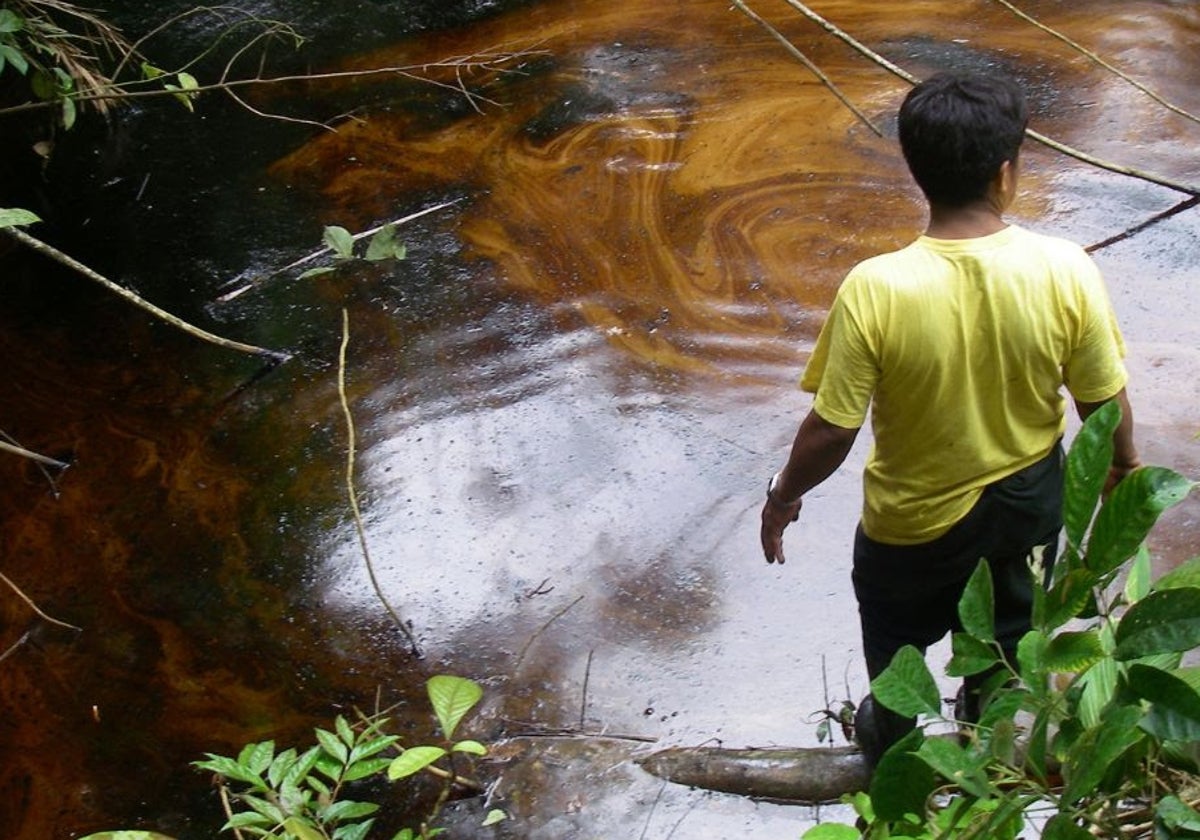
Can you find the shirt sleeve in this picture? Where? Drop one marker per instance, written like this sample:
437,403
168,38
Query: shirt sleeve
1095,370
843,369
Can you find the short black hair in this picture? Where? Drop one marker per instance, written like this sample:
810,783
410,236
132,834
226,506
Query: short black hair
955,131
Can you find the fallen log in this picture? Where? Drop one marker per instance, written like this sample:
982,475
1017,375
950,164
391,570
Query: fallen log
797,774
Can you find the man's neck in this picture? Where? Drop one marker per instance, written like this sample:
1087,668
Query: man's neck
968,222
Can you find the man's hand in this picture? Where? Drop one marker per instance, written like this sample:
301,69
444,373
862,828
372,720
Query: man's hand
776,515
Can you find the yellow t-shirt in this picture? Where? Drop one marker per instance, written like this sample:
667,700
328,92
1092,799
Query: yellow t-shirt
961,348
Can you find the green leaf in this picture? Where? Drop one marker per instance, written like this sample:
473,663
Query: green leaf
353,831
279,767
1099,689
383,244
493,817
977,607
345,732
257,757
469,746
123,835
1073,651
452,697
906,686
1086,469
1003,706
365,767
249,819
268,809
1137,584
1164,621
368,748
298,772
1067,598
230,769
317,272
1129,514
1172,813
302,829
1174,713
405,834
69,113
1062,827
1090,757
901,782
347,810
1030,652
970,656
332,745
10,21
187,81
831,831
149,71
1181,577
339,240
413,760
13,56
950,761
16,217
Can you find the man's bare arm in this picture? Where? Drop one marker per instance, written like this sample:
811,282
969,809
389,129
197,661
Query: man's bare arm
1125,454
820,448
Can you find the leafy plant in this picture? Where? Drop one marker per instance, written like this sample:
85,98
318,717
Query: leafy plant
295,795
1096,728
382,244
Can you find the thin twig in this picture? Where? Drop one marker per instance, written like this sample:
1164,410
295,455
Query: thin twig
58,256
15,645
228,296
1178,186
813,68
542,629
35,607
1186,204
587,676
1098,60
352,496
653,805
228,806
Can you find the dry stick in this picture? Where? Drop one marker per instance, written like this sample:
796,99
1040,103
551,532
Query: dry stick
15,645
34,606
1189,189
57,255
1186,204
587,676
542,629
816,71
1098,60
228,806
33,456
353,496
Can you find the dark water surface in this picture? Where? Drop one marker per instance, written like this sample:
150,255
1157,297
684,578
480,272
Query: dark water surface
568,398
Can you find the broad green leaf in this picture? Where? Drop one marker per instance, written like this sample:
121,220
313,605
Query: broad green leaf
1164,621
469,746
332,745
125,835
304,765
1173,814
1190,675
1099,688
1137,583
1129,514
1181,577
339,240
831,831
413,760
1174,713
1067,598
1061,827
249,819
1073,651
906,686
1030,652
14,57
405,834
901,782
257,757
955,765
10,21
354,831
1003,706
368,748
149,71
16,217
365,767
493,817
977,606
187,81
302,829
452,697
1094,753
344,731
230,769
1086,470
383,244
347,810
279,767
970,656
268,809
69,113
1003,744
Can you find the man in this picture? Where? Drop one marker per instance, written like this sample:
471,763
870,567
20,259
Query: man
960,344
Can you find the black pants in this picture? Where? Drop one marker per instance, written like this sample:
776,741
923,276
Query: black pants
909,594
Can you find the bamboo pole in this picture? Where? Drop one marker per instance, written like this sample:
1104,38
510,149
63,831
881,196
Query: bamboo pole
807,62
53,253
1098,60
1100,163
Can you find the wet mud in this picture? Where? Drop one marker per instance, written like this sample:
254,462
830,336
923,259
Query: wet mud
567,400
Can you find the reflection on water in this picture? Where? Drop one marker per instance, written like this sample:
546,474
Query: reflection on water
567,399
